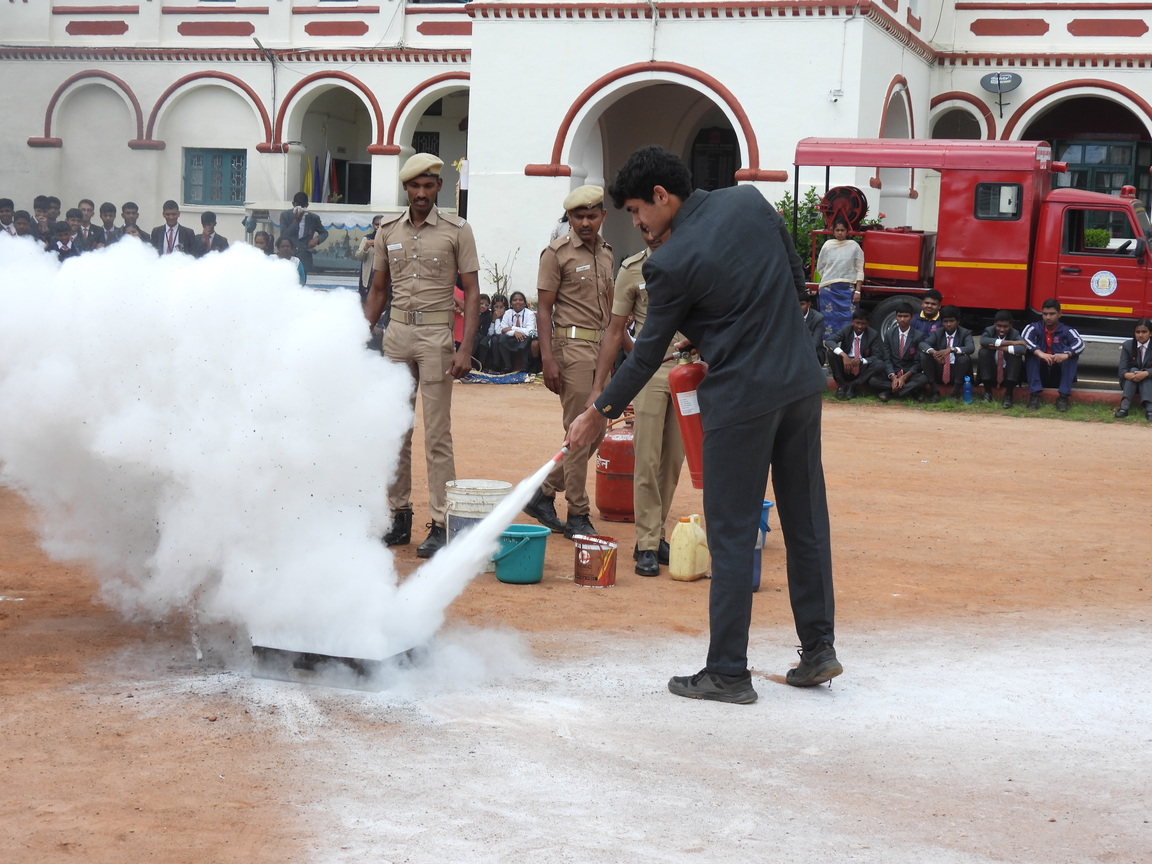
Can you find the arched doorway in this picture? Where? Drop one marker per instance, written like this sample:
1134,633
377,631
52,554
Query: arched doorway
1105,145
437,123
957,123
684,120
333,121
896,184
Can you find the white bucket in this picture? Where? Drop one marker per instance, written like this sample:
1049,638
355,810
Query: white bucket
469,501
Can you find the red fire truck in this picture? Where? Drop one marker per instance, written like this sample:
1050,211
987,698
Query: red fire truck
1005,238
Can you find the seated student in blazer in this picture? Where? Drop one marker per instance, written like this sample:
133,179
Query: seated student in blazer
900,350
947,354
814,321
172,237
1136,370
1000,361
854,355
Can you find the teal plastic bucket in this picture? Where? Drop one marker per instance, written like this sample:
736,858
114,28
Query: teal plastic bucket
520,560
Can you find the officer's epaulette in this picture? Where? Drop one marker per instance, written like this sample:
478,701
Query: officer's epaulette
560,241
632,259
391,217
452,219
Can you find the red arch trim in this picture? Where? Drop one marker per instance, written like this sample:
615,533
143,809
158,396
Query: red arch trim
196,76
1027,105
979,104
392,147
80,76
897,81
555,168
377,115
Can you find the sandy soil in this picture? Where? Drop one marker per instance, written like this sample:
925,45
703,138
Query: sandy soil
993,622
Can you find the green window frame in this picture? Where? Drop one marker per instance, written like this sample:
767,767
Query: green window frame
214,177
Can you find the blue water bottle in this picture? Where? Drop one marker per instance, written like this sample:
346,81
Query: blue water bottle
758,552
968,389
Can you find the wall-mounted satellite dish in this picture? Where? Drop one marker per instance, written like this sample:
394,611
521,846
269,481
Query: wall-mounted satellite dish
1000,83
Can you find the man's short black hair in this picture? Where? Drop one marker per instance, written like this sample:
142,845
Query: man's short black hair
129,205
860,315
22,214
934,294
300,199
646,169
107,207
40,202
1003,315
73,213
1051,303
87,201
52,199
905,307
170,205
950,312
7,202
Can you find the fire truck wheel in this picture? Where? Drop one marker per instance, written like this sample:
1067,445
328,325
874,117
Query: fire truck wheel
883,316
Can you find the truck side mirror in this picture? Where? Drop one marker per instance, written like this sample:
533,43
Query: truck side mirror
1140,250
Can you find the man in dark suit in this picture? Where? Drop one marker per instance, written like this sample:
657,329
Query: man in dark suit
208,240
728,278
1000,362
814,321
854,355
946,355
303,228
108,223
900,352
172,237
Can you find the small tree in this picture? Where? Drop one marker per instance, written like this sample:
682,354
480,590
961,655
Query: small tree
808,219
500,275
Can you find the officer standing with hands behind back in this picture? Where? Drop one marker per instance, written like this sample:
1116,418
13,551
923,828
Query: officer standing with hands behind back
418,254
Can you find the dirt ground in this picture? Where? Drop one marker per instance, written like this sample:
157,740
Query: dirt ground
992,594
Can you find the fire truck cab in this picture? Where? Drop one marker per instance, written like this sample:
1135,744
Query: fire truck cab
1004,239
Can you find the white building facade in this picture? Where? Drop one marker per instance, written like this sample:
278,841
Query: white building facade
220,104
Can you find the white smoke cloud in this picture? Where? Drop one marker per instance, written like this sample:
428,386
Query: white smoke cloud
205,434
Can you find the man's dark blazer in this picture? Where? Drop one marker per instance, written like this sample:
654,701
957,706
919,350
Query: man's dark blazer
896,363
219,244
727,278
312,228
815,322
869,343
961,339
187,238
94,239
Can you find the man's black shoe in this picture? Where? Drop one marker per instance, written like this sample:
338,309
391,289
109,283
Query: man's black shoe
1008,401
664,551
1148,412
1061,403
1122,411
647,563
987,397
884,395
714,686
578,524
400,534
542,508
816,667
850,391
435,541
1034,401
841,393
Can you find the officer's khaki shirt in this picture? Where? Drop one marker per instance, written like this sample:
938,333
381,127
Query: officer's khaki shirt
423,262
581,279
631,297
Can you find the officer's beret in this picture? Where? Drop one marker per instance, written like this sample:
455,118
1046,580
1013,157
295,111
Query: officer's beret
584,196
421,163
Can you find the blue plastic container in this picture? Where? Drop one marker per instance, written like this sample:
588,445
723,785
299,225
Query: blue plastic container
520,560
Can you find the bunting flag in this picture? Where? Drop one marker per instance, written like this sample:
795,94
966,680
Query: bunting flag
316,175
326,189
307,184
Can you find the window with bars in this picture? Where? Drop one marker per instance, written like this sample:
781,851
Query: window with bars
214,177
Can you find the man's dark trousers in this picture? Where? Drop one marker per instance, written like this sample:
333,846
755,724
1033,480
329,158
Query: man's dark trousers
736,463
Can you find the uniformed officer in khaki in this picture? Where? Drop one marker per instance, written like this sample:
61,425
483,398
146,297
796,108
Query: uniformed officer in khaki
418,255
574,302
656,433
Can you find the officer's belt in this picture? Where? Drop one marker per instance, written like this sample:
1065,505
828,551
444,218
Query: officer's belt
579,333
405,316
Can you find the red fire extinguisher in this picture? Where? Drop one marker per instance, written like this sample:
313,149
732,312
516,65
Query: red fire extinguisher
683,380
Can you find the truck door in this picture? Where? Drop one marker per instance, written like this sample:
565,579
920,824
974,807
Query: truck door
1103,263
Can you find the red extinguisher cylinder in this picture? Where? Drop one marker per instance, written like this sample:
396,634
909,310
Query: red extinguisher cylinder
683,380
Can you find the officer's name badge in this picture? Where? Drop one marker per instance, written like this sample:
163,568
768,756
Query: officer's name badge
392,247
641,286
583,267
